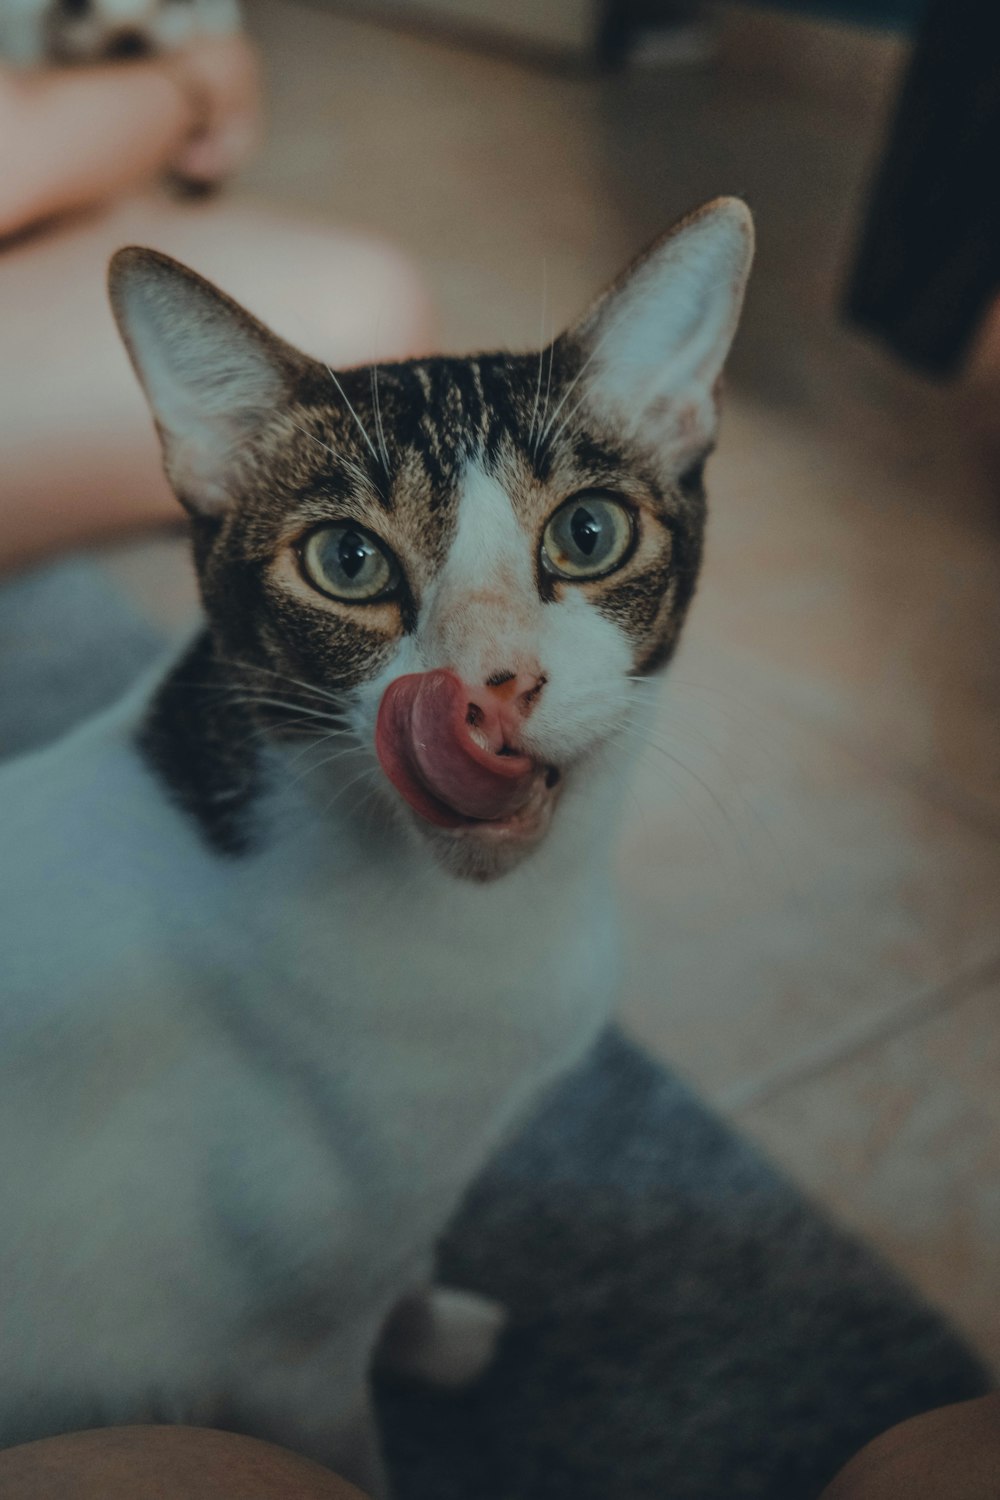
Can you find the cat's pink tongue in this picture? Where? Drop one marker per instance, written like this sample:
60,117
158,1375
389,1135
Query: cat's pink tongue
448,768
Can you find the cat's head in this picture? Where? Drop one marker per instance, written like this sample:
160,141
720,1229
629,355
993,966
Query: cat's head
475,557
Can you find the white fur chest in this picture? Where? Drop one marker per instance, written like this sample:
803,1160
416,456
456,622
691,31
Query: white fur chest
301,1057
423,1013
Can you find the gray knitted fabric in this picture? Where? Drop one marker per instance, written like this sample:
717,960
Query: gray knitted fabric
684,1324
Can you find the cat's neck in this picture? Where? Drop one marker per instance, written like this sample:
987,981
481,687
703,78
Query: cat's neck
301,884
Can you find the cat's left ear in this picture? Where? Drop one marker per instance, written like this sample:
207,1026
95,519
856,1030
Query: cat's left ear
212,374
653,346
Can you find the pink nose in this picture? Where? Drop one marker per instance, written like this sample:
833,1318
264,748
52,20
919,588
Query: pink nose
498,708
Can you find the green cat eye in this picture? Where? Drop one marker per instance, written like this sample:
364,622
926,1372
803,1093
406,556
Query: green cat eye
349,563
587,537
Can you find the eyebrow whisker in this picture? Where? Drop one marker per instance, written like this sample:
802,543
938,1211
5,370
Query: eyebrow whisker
361,426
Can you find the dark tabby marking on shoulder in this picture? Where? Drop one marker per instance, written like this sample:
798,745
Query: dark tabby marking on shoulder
198,738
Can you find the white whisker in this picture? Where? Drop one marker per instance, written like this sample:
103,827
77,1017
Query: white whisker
641,734
326,694
253,700
379,429
553,436
361,776
350,408
313,438
541,348
313,729
363,479
295,728
544,435
548,392
328,760
239,694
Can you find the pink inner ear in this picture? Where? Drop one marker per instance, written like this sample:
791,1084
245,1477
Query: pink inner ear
425,744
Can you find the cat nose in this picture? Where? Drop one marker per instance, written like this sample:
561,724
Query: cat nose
521,690
499,707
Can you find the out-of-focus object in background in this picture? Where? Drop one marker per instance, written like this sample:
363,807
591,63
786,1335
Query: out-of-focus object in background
658,34
591,33
88,31
929,262
83,151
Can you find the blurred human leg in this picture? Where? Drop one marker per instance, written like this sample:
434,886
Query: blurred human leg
78,456
949,1454
163,1463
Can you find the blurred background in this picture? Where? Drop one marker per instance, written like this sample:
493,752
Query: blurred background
811,869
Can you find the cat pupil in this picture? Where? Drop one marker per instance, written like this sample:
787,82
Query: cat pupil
352,554
586,530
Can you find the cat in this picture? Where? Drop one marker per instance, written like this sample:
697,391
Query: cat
33,32
297,932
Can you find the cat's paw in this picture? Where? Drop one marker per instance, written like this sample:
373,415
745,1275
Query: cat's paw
444,1337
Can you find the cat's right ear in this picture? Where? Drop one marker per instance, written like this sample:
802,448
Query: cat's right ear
653,345
212,374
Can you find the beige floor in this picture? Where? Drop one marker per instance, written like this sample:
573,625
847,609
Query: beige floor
812,889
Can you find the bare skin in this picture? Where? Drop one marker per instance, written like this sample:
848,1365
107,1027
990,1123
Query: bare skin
163,1463
74,137
79,149
949,1454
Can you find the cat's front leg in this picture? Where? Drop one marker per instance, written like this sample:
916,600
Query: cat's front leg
359,1453
443,1336
352,1448
322,1409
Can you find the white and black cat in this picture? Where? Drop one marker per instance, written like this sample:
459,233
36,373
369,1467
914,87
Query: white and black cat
291,937
86,31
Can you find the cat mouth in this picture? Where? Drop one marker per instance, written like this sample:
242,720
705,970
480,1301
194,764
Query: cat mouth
449,773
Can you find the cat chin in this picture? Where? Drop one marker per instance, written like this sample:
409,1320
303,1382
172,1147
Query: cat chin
486,851
470,857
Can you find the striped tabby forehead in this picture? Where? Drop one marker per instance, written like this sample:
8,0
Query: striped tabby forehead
387,423
391,448
264,445
391,442
394,440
